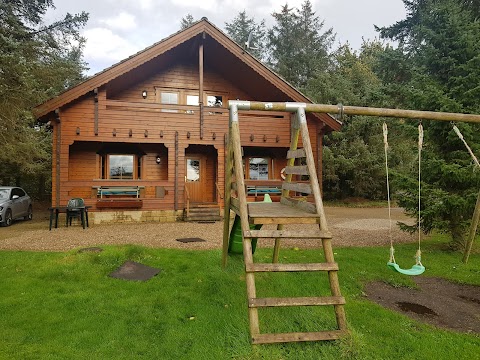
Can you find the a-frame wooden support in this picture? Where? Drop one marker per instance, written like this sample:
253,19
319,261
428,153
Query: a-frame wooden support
288,211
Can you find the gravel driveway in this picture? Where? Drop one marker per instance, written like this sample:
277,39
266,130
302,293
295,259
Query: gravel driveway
349,226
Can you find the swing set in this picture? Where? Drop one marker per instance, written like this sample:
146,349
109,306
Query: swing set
293,211
418,268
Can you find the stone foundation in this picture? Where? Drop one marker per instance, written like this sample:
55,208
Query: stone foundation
133,216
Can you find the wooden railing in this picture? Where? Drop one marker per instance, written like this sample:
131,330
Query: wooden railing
186,109
187,201
219,198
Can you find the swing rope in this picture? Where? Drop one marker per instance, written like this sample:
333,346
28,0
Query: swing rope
385,143
418,255
418,268
459,134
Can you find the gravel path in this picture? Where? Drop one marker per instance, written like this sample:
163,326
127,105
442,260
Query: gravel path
349,227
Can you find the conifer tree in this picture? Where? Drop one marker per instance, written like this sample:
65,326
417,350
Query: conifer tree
437,67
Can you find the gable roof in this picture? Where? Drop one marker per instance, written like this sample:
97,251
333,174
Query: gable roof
217,41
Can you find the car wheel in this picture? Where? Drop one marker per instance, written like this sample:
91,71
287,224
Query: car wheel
29,214
8,218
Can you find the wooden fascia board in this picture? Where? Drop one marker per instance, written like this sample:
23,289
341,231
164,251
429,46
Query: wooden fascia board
119,69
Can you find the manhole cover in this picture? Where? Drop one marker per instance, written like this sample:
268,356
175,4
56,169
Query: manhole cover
132,270
188,240
416,308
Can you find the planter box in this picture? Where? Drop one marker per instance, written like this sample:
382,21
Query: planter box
119,204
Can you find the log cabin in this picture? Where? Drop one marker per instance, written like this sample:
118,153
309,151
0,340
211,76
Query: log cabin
145,139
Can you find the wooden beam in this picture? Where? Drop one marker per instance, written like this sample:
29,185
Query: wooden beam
95,111
356,110
297,301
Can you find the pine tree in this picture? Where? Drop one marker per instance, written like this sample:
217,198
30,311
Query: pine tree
297,46
436,67
37,61
186,21
240,29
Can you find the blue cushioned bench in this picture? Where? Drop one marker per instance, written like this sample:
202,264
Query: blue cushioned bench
262,190
125,191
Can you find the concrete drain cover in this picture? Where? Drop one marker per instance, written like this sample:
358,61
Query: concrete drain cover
132,270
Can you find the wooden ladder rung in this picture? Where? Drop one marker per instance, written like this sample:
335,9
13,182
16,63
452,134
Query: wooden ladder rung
297,170
268,267
295,154
296,301
298,336
274,234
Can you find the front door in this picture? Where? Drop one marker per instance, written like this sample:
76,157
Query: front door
195,178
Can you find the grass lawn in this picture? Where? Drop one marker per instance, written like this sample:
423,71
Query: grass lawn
64,306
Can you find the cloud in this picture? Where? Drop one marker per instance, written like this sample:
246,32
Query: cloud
202,4
103,45
122,21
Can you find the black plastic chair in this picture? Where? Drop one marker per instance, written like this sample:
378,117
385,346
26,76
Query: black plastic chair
75,210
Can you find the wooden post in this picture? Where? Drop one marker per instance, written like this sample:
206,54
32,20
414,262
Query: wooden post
311,167
58,128
95,111
294,134
320,158
227,199
473,230
175,191
242,196
200,87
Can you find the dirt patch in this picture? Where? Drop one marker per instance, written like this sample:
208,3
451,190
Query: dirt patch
436,301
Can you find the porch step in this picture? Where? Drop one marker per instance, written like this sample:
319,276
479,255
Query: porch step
203,213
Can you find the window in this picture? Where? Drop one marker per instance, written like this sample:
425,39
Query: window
192,100
121,167
193,170
169,98
215,100
258,168
18,192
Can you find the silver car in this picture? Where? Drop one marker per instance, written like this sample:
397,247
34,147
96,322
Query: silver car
14,203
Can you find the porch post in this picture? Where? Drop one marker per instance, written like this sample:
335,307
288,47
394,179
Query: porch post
200,87
175,186
58,148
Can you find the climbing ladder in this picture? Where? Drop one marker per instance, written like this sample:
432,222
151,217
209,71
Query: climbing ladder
288,211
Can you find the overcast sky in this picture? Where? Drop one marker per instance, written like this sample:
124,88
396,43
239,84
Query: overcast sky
119,28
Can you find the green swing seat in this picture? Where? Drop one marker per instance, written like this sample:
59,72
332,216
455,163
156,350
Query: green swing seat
415,269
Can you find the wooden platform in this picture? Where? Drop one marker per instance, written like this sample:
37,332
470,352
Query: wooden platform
278,213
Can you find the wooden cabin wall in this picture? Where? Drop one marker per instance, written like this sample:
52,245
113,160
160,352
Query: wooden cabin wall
126,117
184,77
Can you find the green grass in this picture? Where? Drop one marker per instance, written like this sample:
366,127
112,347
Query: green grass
64,306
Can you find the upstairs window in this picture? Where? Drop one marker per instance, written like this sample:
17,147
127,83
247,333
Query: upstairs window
215,100
169,98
